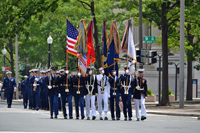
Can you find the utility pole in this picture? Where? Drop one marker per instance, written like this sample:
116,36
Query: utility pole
140,28
182,42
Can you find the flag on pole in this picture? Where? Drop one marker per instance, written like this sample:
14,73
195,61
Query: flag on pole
113,48
91,52
81,47
104,47
128,45
72,35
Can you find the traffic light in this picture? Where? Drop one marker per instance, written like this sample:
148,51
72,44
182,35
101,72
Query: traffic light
141,56
151,56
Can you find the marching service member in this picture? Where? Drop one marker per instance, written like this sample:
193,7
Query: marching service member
91,90
127,92
140,92
103,93
24,89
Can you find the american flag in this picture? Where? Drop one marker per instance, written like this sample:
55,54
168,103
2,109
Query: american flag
72,35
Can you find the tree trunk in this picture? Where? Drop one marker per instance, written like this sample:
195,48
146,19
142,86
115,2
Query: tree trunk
165,90
189,68
97,46
11,57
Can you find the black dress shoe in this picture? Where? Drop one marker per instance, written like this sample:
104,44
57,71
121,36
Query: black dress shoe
130,119
37,108
118,118
56,116
77,118
138,119
88,118
82,117
125,119
9,106
70,117
113,119
65,117
106,118
143,118
101,118
51,117
93,117
25,107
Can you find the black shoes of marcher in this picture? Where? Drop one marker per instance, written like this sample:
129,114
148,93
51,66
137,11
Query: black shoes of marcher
113,119
101,118
143,118
93,117
65,117
106,118
9,106
118,118
130,119
70,117
138,119
77,118
88,118
51,117
125,119
37,108
82,117
56,116
25,107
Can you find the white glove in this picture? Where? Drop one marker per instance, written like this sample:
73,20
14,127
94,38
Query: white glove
79,74
84,97
137,87
67,71
114,73
90,72
49,87
103,71
34,84
36,79
127,71
59,95
131,96
120,97
0,84
108,96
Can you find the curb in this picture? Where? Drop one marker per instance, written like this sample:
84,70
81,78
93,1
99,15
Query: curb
174,114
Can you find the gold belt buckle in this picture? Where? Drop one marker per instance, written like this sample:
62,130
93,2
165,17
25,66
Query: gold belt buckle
114,93
77,92
90,94
66,90
102,92
126,92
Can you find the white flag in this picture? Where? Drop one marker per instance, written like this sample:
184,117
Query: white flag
131,53
82,63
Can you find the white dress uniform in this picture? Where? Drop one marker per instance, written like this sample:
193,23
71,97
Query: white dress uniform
91,88
103,86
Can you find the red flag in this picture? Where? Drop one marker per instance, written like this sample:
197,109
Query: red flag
91,53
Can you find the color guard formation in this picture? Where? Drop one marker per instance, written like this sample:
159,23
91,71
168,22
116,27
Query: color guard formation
51,88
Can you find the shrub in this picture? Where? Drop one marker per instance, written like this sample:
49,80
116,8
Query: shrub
170,92
149,92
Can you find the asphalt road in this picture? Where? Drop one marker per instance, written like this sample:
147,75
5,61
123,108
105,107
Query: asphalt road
17,119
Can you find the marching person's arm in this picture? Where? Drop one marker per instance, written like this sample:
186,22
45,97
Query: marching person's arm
132,86
14,85
145,88
95,85
4,86
108,84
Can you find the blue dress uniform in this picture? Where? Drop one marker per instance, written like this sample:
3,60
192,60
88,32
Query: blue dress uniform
9,85
42,91
36,93
24,89
78,93
66,91
53,93
114,94
140,92
30,90
127,82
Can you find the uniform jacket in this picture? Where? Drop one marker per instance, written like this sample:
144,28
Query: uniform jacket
54,84
39,83
24,87
143,84
127,80
91,81
103,80
117,85
81,87
63,85
9,85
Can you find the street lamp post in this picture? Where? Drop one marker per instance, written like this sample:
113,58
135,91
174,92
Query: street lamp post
49,41
4,51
